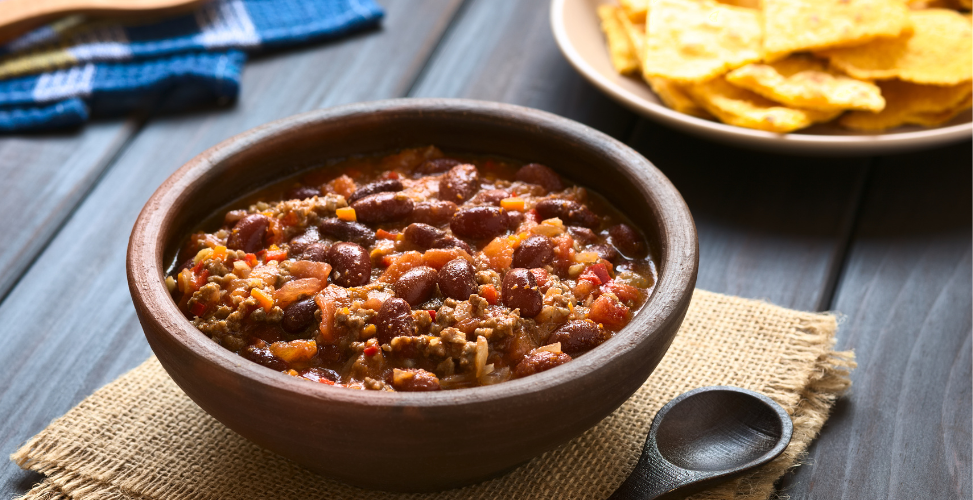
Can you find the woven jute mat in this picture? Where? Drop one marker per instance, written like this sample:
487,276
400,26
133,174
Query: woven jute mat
140,437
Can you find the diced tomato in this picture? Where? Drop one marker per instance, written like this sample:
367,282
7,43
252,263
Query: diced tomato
275,253
601,272
251,260
399,265
432,314
628,294
289,220
385,235
391,175
608,311
325,381
198,309
499,253
596,275
489,292
372,350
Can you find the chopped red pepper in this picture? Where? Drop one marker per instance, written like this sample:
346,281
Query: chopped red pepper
432,313
371,350
385,235
250,259
200,279
198,309
391,175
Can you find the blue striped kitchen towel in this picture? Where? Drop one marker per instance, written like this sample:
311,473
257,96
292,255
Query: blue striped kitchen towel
59,75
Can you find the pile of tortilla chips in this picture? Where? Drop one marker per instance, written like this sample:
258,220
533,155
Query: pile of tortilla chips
782,65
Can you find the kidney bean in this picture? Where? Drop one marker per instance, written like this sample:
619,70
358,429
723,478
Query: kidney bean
348,231
422,235
604,251
299,315
627,240
514,219
460,183
479,222
490,197
540,361
520,291
437,166
299,244
383,207
414,380
535,173
394,319
536,251
264,357
351,264
450,242
248,233
416,285
582,235
318,374
434,212
578,336
570,212
301,193
382,186
457,279
317,252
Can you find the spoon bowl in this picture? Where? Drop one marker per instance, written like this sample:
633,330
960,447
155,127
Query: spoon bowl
706,436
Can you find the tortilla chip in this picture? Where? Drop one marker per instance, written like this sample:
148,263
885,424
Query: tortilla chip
804,82
910,103
635,10
937,119
691,41
743,108
620,49
671,93
803,25
675,96
936,53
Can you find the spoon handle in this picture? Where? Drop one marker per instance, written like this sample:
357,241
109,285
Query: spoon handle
653,478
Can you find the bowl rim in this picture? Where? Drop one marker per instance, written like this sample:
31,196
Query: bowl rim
676,269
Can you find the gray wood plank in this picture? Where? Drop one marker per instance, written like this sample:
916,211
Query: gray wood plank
504,50
69,326
904,431
42,178
770,227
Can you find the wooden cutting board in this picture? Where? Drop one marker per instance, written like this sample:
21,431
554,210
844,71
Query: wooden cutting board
20,16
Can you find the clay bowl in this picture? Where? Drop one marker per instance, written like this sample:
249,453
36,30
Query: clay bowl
412,441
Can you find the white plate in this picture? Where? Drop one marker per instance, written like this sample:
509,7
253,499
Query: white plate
578,33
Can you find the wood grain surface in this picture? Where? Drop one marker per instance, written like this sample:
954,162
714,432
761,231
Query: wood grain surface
884,241
904,429
770,227
46,176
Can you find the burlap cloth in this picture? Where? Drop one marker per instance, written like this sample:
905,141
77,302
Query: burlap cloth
140,437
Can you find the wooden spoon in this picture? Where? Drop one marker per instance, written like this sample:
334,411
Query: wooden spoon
20,16
703,437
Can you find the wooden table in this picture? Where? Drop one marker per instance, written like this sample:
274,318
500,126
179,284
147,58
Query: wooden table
885,241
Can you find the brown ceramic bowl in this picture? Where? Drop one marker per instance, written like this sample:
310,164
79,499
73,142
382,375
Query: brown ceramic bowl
400,441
